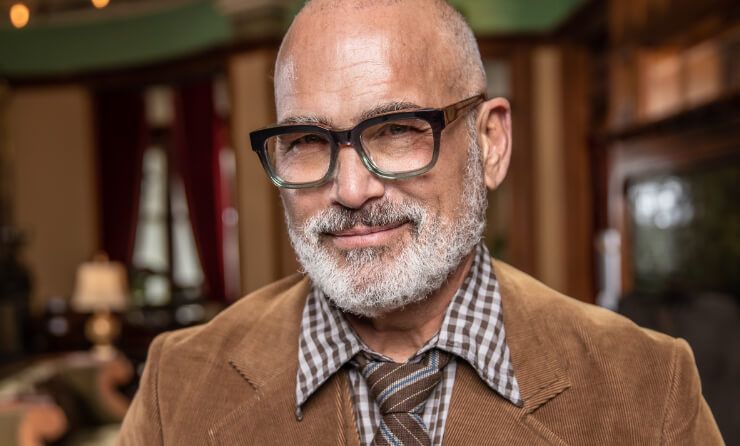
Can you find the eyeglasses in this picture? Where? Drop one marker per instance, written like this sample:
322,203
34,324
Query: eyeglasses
392,146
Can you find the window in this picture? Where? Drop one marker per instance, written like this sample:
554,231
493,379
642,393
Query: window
165,260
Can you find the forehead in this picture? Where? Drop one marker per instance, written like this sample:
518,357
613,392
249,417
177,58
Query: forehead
338,70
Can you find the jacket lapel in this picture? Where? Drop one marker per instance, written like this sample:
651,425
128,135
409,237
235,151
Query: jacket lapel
476,411
267,359
538,370
480,416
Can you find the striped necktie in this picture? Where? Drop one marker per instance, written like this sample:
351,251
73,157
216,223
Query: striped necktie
401,391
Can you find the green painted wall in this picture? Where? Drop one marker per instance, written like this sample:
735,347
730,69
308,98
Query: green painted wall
488,17
44,50
515,16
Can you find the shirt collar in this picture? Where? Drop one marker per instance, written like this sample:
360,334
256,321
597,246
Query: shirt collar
472,329
326,343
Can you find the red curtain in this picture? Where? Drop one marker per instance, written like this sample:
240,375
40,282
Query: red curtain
197,142
122,137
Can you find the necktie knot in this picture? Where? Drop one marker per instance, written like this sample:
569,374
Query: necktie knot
401,391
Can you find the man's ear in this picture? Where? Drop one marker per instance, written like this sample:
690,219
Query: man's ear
494,136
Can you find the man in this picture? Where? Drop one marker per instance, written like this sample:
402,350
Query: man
403,331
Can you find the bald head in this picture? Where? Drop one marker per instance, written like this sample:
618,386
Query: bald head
427,34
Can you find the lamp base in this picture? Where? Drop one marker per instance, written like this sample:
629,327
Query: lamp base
102,328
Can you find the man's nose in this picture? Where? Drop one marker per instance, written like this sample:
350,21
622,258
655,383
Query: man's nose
353,184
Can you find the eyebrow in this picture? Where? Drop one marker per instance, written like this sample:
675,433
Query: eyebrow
387,108
367,114
306,119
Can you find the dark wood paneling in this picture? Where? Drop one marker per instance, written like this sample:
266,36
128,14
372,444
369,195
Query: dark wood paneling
517,52
578,182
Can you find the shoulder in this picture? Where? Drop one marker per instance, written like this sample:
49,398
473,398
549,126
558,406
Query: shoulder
190,381
233,324
618,374
581,330
609,363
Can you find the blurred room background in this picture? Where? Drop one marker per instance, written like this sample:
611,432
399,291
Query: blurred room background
131,202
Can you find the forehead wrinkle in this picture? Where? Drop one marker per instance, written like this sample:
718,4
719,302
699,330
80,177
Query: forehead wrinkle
364,64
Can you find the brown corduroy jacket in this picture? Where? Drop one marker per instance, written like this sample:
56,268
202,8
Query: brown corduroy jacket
586,376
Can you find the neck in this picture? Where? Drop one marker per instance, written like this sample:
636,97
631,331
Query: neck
401,333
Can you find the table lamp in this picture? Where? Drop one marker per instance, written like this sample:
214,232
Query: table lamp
101,288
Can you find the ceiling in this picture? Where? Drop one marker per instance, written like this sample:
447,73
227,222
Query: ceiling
70,36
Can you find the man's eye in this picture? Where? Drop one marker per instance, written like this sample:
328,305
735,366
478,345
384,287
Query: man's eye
311,139
397,129
306,140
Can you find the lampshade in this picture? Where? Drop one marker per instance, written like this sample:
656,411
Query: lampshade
100,285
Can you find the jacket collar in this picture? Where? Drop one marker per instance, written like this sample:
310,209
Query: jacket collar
478,411
539,371
266,357
268,351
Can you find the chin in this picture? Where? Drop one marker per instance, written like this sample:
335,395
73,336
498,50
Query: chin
362,303
376,286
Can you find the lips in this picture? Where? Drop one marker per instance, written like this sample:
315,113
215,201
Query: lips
365,230
362,236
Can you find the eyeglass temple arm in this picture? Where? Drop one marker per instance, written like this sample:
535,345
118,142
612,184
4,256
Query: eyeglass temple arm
455,110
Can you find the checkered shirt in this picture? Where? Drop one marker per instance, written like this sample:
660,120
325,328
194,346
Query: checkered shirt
472,330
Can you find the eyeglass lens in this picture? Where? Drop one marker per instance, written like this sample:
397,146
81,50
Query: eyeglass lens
394,147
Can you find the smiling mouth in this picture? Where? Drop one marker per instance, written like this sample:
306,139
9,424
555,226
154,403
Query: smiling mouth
362,236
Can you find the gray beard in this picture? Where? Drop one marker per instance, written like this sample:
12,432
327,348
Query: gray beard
372,281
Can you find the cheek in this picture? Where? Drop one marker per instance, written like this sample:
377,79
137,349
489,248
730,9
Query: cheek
448,177
300,205
454,147
445,180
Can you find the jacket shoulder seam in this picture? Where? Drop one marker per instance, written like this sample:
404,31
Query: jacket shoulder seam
671,390
155,362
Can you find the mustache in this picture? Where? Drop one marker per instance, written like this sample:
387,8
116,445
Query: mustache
380,213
